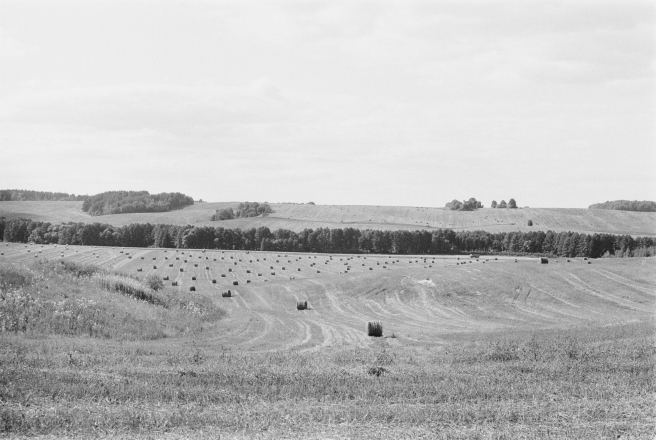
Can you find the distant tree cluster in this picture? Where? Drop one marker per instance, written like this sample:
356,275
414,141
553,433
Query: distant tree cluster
245,209
347,240
512,204
626,205
122,202
466,205
8,195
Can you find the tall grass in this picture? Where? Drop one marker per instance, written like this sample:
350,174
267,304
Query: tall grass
596,383
50,298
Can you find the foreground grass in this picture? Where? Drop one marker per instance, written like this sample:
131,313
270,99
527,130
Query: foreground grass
595,383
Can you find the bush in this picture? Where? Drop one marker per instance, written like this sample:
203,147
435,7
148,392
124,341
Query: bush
154,282
301,305
530,223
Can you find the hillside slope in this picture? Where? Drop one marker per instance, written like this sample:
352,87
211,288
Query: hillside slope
299,217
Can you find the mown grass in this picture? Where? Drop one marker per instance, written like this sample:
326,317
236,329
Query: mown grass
580,383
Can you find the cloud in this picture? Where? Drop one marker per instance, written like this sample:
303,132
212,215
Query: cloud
12,48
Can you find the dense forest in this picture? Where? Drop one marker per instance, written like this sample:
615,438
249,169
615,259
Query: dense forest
626,205
23,195
245,209
347,240
121,202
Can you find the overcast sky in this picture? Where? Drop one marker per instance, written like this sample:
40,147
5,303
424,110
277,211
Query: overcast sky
372,103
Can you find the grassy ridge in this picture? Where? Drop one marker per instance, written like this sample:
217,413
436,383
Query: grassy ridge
299,217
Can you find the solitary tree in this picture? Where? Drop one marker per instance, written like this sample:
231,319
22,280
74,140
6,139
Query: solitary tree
494,204
502,204
512,204
530,222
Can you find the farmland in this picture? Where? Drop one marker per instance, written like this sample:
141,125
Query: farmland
471,348
299,217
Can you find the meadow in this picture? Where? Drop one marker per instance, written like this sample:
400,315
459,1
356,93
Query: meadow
494,347
297,217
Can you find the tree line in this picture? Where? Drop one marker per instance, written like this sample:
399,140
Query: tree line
22,195
626,205
122,202
326,240
245,209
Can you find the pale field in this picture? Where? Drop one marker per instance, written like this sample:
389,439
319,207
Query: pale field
267,370
299,217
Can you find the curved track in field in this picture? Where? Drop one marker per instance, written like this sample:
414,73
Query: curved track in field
421,300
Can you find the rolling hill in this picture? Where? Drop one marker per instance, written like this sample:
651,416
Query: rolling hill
299,217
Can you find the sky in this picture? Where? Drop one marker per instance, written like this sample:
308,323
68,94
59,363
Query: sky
353,103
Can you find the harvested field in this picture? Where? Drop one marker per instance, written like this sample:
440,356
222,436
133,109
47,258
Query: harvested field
299,217
496,346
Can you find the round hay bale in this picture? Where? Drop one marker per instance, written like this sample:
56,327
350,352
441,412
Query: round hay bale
375,329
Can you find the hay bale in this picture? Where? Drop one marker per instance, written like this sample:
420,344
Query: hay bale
542,260
375,329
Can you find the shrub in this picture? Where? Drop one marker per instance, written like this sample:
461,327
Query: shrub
375,329
155,282
301,305
235,283
192,289
226,294
530,223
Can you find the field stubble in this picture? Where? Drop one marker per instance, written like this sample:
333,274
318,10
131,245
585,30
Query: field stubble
501,350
